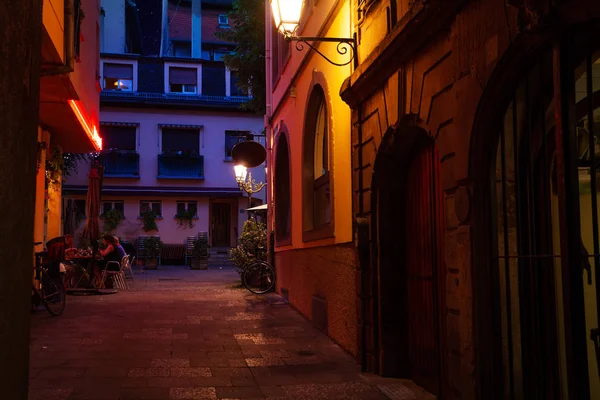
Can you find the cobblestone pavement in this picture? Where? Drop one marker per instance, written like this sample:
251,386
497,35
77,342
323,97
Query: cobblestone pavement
182,334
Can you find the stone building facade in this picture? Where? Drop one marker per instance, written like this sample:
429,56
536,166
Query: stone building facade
467,239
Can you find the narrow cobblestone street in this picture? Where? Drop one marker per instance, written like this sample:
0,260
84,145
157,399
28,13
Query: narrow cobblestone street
182,334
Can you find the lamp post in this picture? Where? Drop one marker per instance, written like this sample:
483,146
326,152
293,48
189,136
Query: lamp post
287,13
246,183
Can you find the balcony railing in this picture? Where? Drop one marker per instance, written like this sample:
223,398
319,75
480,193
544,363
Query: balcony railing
180,166
173,98
120,164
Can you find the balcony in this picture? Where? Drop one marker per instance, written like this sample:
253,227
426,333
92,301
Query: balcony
173,99
180,166
120,164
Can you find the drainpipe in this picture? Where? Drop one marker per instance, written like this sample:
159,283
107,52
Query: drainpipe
69,42
269,133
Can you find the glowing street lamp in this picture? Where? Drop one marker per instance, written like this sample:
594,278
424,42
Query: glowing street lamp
248,185
240,174
287,14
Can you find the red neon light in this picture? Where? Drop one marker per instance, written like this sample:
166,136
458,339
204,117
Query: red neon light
91,131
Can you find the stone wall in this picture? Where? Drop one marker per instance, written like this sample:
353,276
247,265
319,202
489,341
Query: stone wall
309,276
440,79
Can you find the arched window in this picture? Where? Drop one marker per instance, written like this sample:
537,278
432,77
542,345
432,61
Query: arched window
316,168
282,192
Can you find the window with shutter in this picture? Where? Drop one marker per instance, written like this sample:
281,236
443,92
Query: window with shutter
183,80
118,77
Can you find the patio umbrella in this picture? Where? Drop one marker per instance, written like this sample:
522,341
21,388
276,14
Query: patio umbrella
92,225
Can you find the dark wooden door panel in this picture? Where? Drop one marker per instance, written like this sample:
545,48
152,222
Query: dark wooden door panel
424,229
221,226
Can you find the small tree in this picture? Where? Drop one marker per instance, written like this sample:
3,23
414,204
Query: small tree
248,58
252,247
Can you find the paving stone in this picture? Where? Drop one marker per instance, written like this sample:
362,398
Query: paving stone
197,337
191,372
170,362
193,393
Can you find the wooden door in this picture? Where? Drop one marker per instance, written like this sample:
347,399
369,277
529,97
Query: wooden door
424,265
221,227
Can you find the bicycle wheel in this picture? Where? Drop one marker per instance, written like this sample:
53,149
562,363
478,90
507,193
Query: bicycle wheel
259,278
53,295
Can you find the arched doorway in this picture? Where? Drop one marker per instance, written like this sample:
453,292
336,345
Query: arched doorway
542,227
408,232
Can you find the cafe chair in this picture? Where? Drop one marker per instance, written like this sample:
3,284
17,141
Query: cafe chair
129,267
119,279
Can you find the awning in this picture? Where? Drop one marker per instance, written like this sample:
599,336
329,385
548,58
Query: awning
262,207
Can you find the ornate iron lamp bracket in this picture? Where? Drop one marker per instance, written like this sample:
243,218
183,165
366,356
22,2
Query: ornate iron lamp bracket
345,46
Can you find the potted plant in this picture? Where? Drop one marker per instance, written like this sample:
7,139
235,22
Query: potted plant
149,221
112,219
185,219
152,246
200,253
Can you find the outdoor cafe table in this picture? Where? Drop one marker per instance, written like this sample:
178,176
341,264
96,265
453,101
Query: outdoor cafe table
81,272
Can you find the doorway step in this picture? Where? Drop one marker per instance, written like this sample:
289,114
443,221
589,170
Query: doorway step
219,257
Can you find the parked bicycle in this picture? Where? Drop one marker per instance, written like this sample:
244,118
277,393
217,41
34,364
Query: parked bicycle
259,276
51,291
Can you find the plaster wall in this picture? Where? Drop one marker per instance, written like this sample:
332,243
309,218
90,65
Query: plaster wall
53,19
292,112
86,69
218,172
169,231
40,195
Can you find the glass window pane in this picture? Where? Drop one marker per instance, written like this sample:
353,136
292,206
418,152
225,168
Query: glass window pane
144,206
180,140
320,159
180,207
193,207
118,137
156,208
120,206
106,207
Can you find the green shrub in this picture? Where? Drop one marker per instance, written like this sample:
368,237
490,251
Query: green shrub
112,219
252,247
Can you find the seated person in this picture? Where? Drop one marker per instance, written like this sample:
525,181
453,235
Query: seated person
112,252
70,250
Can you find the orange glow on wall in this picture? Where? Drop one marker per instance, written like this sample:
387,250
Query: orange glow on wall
90,129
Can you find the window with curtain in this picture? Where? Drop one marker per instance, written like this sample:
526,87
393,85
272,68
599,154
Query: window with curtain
151,205
113,205
118,137
118,77
187,206
183,80
180,141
